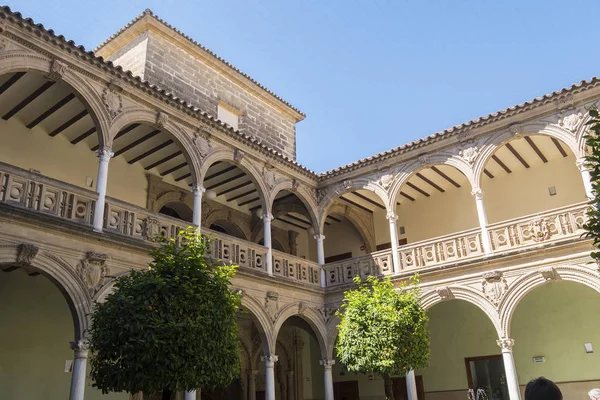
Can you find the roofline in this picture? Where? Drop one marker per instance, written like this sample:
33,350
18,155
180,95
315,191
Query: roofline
207,54
64,45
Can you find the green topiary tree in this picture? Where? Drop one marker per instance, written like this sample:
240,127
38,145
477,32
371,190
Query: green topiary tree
592,159
383,330
170,328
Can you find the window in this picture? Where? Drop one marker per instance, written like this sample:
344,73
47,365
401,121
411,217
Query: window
228,114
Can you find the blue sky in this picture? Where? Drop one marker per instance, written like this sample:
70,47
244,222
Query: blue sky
370,74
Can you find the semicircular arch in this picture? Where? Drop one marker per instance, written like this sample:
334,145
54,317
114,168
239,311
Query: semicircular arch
303,194
262,321
311,316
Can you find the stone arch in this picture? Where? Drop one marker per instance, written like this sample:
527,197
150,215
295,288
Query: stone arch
311,316
332,333
408,170
226,215
303,193
132,115
350,213
61,274
528,282
170,197
331,193
18,61
497,140
262,321
238,159
433,297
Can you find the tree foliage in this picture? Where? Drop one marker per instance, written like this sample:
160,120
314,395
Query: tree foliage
383,330
170,328
592,159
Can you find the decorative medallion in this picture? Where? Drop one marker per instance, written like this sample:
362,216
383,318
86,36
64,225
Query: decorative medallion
469,154
424,159
151,229
386,180
571,121
539,229
58,69
272,305
444,292
113,101
26,253
516,129
203,144
268,176
302,307
93,271
494,286
319,195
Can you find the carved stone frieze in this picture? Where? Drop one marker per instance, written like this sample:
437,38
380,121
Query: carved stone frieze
113,101
444,292
539,229
464,136
494,286
272,305
93,271
58,69
26,253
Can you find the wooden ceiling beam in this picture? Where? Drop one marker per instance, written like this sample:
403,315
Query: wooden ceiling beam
68,123
239,196
231,189
51,110
559,147
150,152
407,196
334,218
536,149
39,91
11,81
164,160
488,173
291,223
248,201
173,169
233,178
418,189
430,182
84,135
368,200
356,205
517,155
224,171
501,164
182,177
298,219
137,142
446,177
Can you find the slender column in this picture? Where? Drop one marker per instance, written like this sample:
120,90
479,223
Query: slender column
512,381
290,385
252,384
485,235
267,218
198,191
321,256
79,366
411,385
392,218
269,361
104,156
191,395
327,365
587,178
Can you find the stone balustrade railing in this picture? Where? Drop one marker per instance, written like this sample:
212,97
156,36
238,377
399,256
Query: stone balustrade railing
542,228
296,268
342,272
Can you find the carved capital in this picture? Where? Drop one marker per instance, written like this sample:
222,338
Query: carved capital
80,345
58,69
269,360
477,193
26,253
391,216
198,188
318,237
266,216
327,364
105,154
505,343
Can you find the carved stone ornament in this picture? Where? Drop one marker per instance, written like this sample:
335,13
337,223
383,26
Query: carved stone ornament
516,129
570,122
272,305
240,292
391,216
151,228
203,144
80,345
424,159
505,343
327,364
319,195
386,180
469,154
238,155
327,313
162,119
302,307
93,271
268,176
58,69
444,292
2,44
26,253
539,230
2,25
494,286
347,184
295,184
549,273
113,101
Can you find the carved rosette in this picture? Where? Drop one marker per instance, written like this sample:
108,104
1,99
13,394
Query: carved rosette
26,253
272,305
80,345
93,271
539,230
494,286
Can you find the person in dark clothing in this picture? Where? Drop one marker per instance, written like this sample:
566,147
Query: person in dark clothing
542,389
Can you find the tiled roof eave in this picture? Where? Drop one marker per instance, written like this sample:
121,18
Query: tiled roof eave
68,45
149,13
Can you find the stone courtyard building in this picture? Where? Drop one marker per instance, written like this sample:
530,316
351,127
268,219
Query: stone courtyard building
152,132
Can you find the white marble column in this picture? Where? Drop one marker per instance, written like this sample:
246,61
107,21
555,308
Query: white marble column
191,395
587,178
411,386
392,218
198,191
512,380
321,256
290,385
78,376
104,156
252,384
269,361
267,218
482,216
327,366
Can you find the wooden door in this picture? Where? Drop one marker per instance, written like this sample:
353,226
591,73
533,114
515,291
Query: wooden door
400,392
345,390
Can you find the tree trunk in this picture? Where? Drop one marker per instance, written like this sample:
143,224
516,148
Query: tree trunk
389,388
167,394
